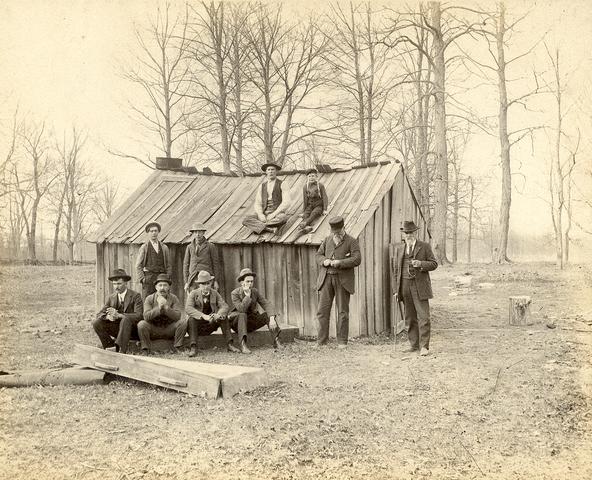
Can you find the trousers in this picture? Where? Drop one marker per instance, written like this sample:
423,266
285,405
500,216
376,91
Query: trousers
122,330
244,323
257,226
148,331
417,315
332,289
198,327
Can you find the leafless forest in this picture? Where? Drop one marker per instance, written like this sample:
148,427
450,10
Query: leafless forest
229,85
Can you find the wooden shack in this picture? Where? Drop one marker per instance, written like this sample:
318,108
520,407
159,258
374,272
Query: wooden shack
374,200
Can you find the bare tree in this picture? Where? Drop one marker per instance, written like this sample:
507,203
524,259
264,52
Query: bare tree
105,199
285,67
33,178
162,73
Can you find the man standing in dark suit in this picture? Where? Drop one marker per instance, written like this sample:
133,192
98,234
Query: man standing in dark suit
120,316
337,257
246,318
153,260
200,255
413,260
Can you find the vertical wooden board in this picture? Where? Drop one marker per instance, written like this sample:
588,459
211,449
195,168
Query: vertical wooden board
132,253
361,288
100,275
378,267
310,296
293,287
111,249
369,287
177,271
386,282
354,313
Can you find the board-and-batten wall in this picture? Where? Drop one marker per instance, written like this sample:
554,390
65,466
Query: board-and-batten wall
287,273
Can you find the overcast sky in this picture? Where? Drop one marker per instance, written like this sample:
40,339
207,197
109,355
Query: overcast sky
60,61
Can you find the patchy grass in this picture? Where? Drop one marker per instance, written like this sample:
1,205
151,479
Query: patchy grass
491,401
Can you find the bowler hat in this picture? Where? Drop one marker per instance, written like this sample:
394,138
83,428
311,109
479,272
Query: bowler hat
163,277
197,227
409,226
311,170
152,224
270,164
245,272
203,277
336,223
119,273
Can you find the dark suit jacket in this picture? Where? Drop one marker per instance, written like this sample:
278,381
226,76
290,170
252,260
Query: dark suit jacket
170,314
132,306
201,257
349,256
194,304
422,252
243,304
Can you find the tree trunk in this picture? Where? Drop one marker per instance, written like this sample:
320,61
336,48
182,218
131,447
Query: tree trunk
238,114
370,90
558,172
441,149
360,89
470,227
506,199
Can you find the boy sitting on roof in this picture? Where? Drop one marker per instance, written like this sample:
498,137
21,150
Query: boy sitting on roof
270,203
315,201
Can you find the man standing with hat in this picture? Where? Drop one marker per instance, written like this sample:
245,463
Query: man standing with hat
206,311
246,318
413,259
200,255
153,259
162,316
270,205
119,318
337,257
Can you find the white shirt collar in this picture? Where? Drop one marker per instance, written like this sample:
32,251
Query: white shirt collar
122,295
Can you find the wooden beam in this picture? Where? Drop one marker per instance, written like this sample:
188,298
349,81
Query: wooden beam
211,380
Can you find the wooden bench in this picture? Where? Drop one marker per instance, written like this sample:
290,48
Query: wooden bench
258,338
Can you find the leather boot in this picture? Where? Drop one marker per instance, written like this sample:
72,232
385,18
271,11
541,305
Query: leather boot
193,351
243,347
231,348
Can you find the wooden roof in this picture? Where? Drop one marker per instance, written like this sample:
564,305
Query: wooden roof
178,200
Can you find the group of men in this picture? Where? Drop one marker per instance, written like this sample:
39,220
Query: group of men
158,313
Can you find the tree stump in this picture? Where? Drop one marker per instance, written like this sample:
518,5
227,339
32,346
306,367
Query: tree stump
519,310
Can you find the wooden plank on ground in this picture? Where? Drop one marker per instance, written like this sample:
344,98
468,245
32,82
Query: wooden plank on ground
63,376
198,378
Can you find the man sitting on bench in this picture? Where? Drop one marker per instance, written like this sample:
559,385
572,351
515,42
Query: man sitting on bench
162,316
246,318
206,311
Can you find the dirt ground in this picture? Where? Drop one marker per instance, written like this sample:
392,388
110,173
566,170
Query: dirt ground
491,401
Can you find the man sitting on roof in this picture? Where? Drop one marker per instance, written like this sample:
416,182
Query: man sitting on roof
315,201
270,203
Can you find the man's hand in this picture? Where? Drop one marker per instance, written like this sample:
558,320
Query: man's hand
247,293
335,263
326,262
416,263
161,301
109,317
214,317
207,318
261,217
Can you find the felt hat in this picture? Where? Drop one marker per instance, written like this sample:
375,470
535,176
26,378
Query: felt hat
197,227
311,170
203,277
163,277
152,224
336,223
409,226
119,273
245,272
270,164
